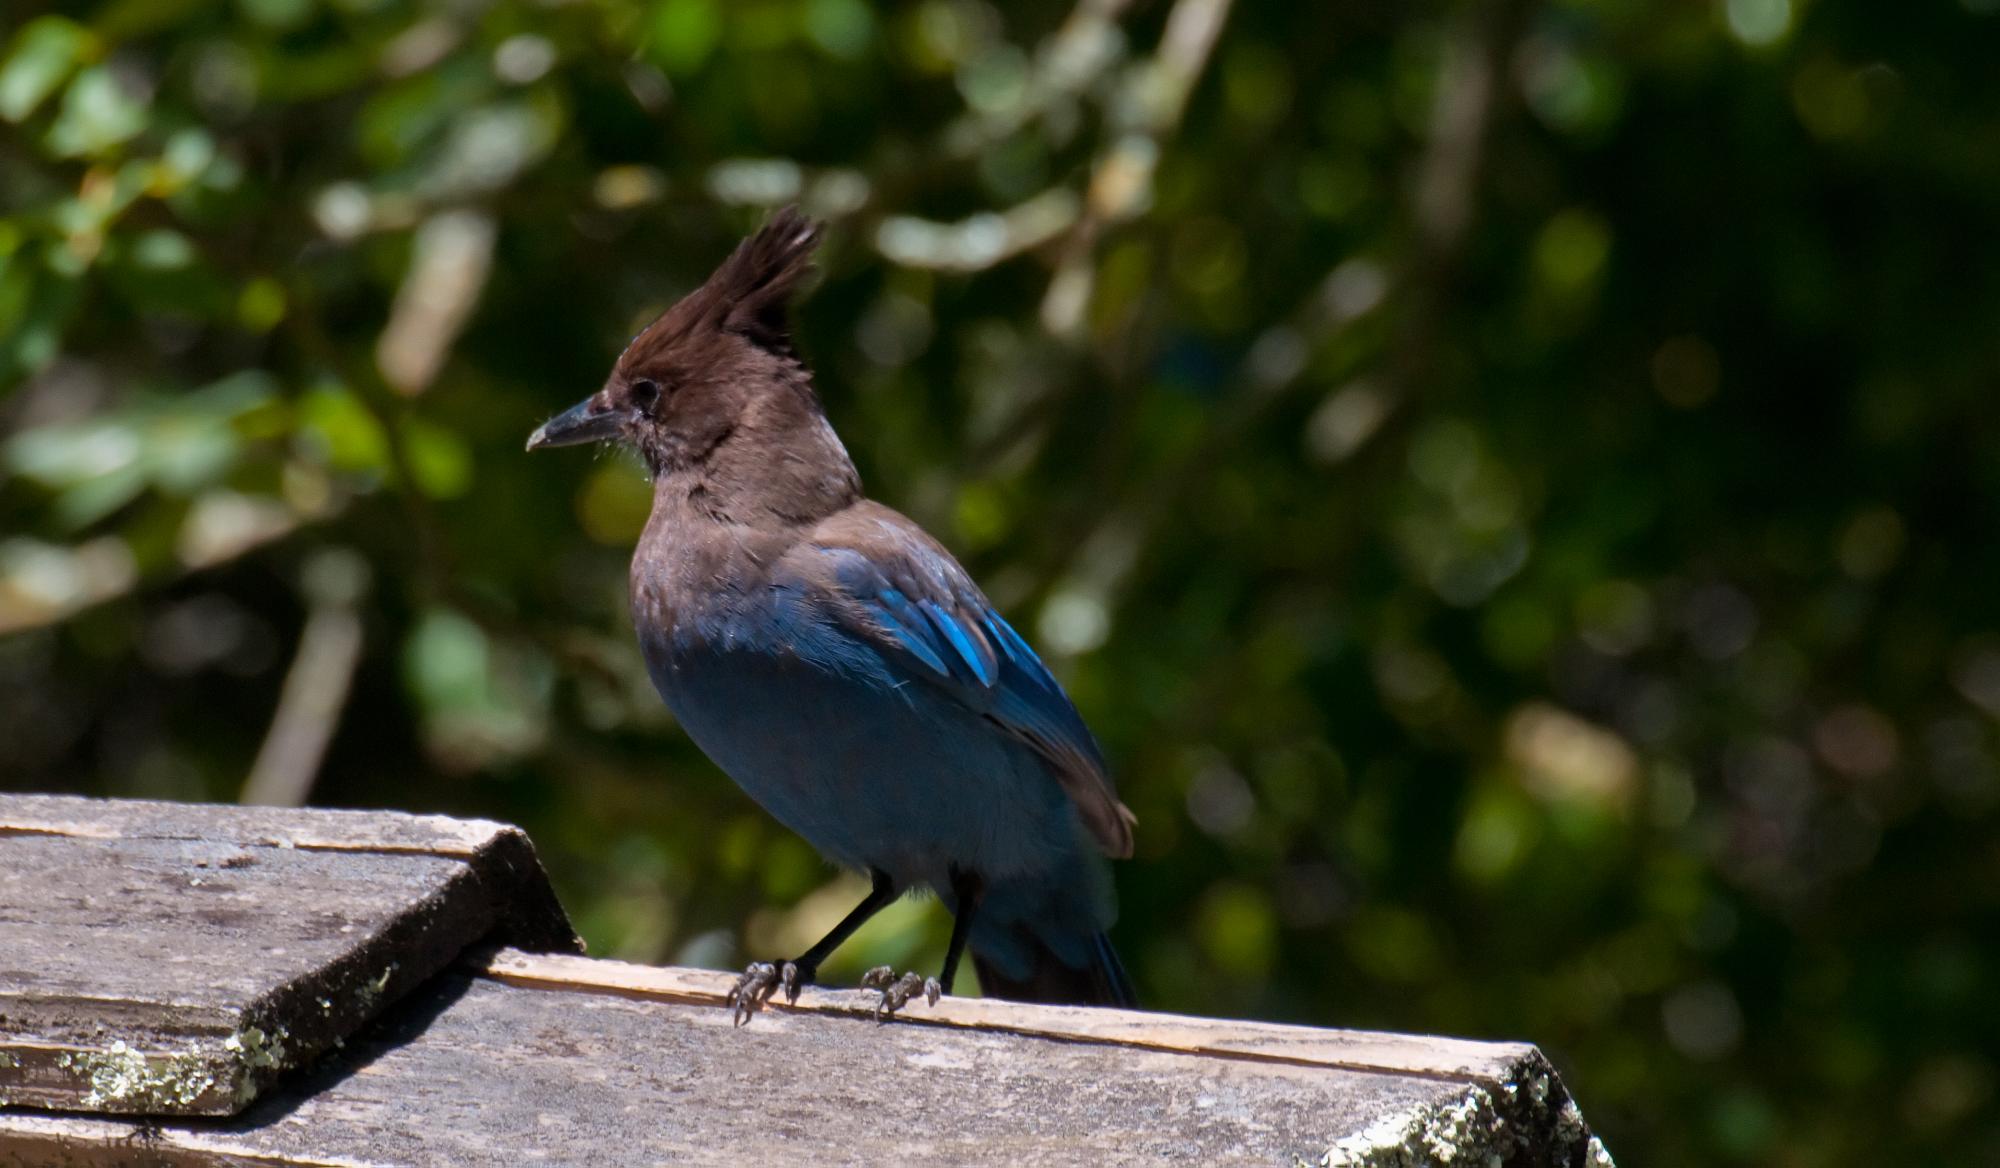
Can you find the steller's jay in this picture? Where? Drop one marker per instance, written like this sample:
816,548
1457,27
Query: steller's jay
840,665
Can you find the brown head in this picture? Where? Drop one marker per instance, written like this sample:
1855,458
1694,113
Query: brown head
713,393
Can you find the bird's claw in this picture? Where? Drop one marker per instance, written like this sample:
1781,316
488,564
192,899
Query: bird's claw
752,990
896,992
760,980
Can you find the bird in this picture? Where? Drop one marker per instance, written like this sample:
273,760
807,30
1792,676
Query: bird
841,666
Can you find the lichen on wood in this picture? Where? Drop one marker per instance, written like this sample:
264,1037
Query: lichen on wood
1481,1128
122,1079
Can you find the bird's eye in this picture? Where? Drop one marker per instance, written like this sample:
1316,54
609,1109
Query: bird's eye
645,392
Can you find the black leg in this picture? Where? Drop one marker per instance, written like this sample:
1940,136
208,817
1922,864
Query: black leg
879,896
763,978
966,888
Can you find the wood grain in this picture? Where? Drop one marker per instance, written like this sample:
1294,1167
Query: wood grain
1358,1050
481,1072
173,959
352,988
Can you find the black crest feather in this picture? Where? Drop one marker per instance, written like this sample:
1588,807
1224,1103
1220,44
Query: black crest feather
753,287
749,293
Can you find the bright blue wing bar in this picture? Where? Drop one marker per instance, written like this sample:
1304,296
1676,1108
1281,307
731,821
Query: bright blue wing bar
1036,701
969,644
906,623
961,643
896,593
1019,652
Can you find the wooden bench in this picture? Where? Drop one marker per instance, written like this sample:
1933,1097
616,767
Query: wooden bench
197,985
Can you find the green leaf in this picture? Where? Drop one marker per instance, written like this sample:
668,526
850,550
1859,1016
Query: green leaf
344,433
439,460
62,456
97,114
843,28
488,147
277,14
162,250
35,308
614,503
45,52
685,32
446,661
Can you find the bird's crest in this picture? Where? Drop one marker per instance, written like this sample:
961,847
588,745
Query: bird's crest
749,293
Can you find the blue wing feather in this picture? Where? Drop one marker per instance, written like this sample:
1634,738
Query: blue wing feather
970,648
919,610
906,624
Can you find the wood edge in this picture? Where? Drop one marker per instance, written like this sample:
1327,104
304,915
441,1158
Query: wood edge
67,816
494,892
498,893
17,1002
1454,1059
201,1079
483,835
59,830
87,1141
1526,1117
286,1029
527,913
42,1065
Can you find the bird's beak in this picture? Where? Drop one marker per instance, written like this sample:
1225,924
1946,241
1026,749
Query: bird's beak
588,421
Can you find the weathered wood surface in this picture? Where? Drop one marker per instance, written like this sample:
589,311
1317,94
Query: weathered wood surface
1354,1050
173,959
567,1061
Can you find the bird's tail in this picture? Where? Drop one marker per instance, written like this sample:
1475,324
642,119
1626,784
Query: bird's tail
1052,981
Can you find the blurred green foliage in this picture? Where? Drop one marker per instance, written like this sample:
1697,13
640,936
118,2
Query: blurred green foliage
1513,485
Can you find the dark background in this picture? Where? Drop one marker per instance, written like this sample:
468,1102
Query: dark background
1512,485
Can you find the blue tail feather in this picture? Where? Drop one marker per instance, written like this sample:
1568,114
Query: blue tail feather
1050,980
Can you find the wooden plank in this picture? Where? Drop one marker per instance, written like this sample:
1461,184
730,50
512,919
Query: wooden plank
480,1070
1358,1050
316,828
174,959
171,959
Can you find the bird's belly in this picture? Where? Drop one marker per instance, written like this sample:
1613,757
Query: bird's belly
874,771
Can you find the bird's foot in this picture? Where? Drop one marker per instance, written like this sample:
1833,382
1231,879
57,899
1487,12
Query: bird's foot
760,980
897,991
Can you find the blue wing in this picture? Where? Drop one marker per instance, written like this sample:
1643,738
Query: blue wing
914,603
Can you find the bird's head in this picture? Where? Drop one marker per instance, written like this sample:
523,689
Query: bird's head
717,364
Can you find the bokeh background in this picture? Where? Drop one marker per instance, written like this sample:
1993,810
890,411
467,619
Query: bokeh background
1513,485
